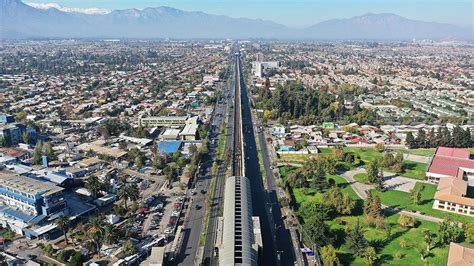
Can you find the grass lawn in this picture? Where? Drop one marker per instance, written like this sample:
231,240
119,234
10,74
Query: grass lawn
402,200
422,152
304,157
387,248
414,170
361,178
366,154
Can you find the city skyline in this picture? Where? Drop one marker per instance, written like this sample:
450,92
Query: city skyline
295,14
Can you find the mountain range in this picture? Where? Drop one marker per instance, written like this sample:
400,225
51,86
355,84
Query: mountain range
19,20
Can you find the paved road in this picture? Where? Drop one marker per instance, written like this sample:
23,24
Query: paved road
261,201
217,199
194,221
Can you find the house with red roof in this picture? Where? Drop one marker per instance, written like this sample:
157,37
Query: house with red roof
451,162
453,170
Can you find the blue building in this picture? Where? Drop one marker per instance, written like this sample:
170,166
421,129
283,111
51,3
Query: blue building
169,146
4,118
30,196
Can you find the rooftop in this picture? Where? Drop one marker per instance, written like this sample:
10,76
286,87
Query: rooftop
26,184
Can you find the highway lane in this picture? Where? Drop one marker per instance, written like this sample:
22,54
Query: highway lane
194,222
217,200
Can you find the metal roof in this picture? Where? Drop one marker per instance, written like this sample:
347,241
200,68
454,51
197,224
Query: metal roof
238,235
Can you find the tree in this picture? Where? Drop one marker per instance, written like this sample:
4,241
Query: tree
133,192
410,141
317,230
403,243
329,256
421,138
469,232
415,195
93,185
342,203
122,194
26,137
48,151
313,170
380,147
95,231
109,233
449,231
375,174
429,239
406,221
372,207
129,248
370,255
355,239
423,253
63,223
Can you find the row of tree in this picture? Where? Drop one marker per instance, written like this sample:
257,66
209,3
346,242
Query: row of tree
458,138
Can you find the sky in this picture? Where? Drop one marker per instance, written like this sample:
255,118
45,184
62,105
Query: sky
300,13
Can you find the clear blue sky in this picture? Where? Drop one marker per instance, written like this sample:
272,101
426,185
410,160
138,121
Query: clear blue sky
301,13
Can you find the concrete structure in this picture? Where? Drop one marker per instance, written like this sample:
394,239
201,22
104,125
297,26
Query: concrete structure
189,132
451,196
29,195
239,245
161,121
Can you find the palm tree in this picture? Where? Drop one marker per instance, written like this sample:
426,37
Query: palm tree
109,233
63,223
95,230
122,194
93,185
133,192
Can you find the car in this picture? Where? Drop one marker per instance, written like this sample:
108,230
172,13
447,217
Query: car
176,212
193,193
198,207
168,231
203,191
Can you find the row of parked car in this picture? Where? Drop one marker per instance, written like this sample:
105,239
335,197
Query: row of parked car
175,214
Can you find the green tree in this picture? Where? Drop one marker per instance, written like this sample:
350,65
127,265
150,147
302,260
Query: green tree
355,239
375,174
406,221
449,231
329,256
95,231
63,222
421,138
469,232
93,185
415,195
26,137
370,255
110,233
318,231
129,248
429,239
410,141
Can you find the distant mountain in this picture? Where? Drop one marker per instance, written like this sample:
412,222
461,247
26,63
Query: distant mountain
19,20
384,26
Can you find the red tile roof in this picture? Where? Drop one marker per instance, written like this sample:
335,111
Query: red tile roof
447,161
453,152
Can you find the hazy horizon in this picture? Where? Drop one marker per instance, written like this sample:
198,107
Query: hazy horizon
298,13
